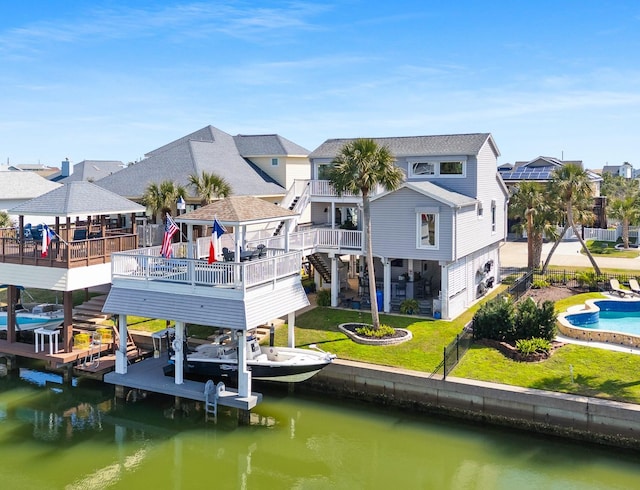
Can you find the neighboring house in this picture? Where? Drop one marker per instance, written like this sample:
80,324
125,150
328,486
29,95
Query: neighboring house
37,168
625,170
87,170
19,187
441,229
262,165
541,169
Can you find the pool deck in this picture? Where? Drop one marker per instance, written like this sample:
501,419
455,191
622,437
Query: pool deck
612,345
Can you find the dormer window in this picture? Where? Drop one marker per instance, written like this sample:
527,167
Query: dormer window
424,168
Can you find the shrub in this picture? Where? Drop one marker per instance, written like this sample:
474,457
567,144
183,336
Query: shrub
324,297
495,320
531,346
409,306
533,321
540,284
369,331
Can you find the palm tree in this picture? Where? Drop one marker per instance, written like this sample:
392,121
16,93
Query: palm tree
623,202
359,167
571,187
209,186
162,198
530,202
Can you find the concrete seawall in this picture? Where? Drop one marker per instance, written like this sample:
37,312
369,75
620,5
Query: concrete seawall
577,417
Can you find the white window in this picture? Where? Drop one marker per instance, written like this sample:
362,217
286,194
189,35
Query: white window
424,168
427,227
451,168
430,167
274,162
323,171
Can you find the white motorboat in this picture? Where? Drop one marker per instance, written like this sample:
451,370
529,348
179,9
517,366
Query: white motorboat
219,360
40,316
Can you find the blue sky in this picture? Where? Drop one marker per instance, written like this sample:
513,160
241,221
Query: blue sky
114,80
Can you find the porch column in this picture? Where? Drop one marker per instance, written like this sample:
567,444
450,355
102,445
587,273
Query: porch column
287,235
244,375
67,326
386,287
192,249
178,347
121,353
12,299
291,325
335,280
444,291
333,215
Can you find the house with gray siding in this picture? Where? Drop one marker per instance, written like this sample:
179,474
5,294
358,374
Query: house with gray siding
436,238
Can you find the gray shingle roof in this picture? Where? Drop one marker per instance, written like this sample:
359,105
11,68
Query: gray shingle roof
267,145
92,170
440,194
24,185
210,150
77,199
452,144
238,209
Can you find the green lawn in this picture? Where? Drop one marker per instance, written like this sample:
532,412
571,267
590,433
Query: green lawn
596,372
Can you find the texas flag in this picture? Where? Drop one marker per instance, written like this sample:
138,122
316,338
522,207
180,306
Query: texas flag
216,233
47,236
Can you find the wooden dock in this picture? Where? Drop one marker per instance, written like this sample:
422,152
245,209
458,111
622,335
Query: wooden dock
148,375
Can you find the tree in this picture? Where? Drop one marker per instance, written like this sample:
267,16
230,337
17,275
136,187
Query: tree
209,186
162,198
571,188
5,221
359,167
530,202
623,202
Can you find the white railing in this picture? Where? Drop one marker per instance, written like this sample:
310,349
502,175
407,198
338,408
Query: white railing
238,275
314,238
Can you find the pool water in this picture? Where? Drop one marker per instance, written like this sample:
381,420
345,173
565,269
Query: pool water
614,316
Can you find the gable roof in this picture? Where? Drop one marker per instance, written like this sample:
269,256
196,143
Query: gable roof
77,199
91,170
267,145
208,149
24,185
436,192
451,144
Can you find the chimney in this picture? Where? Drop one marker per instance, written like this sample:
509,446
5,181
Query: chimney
66,168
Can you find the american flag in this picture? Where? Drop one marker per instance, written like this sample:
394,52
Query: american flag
170,229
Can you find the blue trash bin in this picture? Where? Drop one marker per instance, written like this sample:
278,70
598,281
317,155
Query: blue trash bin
379,299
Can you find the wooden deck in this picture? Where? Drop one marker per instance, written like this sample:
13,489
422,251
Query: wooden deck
23,349
148,375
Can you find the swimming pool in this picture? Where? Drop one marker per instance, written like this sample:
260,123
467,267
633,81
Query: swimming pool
603,320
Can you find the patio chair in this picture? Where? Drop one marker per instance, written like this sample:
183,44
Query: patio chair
615,286
635,287
228,255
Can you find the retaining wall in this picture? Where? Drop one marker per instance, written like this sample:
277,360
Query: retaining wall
572,416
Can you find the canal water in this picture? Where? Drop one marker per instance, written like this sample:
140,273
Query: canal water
55,436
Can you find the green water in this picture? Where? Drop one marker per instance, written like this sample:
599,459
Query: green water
60,437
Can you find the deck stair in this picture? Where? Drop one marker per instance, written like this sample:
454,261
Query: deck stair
91,311
281,224
320,266
133,351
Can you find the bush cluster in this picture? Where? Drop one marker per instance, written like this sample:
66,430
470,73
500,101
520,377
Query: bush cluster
505,321
532,346
383,331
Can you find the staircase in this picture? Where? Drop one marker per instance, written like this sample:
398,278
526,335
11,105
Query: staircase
291,207
319,265
91,311
133,351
